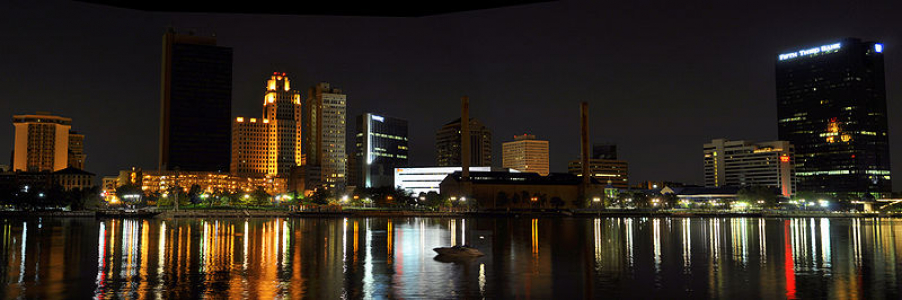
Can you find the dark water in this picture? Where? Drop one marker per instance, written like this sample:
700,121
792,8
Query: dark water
392,258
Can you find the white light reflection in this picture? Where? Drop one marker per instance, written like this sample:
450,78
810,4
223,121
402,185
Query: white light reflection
286,243
22,264
482,280
825,244
245,238
629,241
368,263
762,242
687,245
856,240
463,232
813,227
598,242
656,228
161,258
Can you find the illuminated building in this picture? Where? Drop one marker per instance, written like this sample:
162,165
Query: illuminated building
196,104
520,190
42,143
381,143
209,182
743,163
604,170
324,138
447,144
76,154
526,154
270,145
427,179
831,105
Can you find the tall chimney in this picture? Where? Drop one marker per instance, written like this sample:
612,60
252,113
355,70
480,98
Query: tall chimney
465,138
584,124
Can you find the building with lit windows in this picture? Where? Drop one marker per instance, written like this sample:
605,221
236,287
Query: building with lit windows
324,138
606,171
743,163
418,180
45,142
270,145
209,182
526,154
196,104
381,146
447,144
831,105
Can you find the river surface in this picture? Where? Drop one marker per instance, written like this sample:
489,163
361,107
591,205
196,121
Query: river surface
331,258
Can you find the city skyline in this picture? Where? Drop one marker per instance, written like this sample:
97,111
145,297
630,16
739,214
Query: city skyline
652,94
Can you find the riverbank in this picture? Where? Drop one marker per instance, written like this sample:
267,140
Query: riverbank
374,213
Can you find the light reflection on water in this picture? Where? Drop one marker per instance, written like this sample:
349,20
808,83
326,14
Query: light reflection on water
393,258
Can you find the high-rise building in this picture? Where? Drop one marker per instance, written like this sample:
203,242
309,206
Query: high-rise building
196,104
743,163
526,154
615,172
270,145
76,151
381,143
324,138
447,144
831,105
41,142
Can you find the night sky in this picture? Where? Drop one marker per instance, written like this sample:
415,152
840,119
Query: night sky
661,78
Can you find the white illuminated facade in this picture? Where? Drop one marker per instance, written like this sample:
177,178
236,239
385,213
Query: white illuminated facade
743,163
270,145
424,180
825,49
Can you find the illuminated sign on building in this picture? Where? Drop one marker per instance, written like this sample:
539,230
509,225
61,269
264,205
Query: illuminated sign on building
878,48
815,50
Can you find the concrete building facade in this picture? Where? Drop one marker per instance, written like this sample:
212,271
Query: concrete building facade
744,163
271,145
324,138
526,154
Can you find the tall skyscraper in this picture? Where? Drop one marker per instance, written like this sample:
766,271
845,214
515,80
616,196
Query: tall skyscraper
324,138
831,105
42,142
526,154
196,104
381,143
270,145
743,163
448,143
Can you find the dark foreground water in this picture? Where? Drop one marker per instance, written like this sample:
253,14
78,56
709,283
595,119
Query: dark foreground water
734,258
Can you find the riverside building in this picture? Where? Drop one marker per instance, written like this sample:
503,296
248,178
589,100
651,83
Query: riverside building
196,104
270,145
831,105
44,142
324,138
448,144
381,146
743,163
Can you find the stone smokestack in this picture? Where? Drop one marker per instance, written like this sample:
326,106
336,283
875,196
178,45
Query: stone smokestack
465,138
584,140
